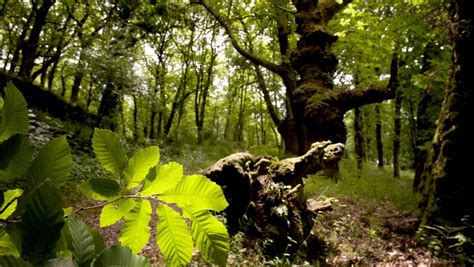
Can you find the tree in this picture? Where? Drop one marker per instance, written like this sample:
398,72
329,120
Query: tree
315,109
445,187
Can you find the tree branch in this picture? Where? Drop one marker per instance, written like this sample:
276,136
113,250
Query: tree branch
350,99
250,56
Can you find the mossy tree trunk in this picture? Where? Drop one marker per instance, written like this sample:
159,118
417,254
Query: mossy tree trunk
445,189
314,108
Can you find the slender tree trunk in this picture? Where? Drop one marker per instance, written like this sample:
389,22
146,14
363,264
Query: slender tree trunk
396,134
358,139
446,186
51,74
378,136
30,46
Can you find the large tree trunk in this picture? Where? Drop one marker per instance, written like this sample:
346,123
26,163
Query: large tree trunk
428,112
314,108
108,108
446,184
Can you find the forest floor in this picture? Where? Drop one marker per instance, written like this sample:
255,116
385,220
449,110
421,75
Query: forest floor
372,221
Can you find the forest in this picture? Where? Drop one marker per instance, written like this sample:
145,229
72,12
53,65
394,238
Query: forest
229,133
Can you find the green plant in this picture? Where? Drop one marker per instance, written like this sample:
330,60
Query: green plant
449,241
35,230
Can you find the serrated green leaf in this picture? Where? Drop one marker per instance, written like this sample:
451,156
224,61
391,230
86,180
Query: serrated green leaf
10,196
83,247
101,188
41,223
139,165
12,261
210,236
135,231
7,247
113,212
173,236
167,176
120,257
54,161
98,241
14,114
109,151
198,191
15,157
60,262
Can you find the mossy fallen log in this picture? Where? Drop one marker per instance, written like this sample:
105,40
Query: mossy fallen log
265,195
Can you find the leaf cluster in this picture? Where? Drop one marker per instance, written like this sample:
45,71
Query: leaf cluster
35,230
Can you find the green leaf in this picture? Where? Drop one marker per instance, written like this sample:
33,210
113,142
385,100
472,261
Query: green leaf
12,261
98,241
15,157
60,262
109,151
14,114
135,231
7,247
167,176
41,223
139,165
101,188
120,257
113,212
83,247
54,161
198,191
10,196
173,236
210,236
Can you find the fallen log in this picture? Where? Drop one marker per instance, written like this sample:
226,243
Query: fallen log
265,194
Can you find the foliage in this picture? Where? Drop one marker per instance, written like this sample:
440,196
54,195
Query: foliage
450,241
45,232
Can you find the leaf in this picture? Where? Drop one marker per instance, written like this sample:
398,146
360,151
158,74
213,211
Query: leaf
15,157
14,114
210,236
101,188
12,261
109,151
41,223
118,256
135,231
198,191
7,247
60,262
173,236
139,165
167,176
83,247
54,161
98,241
113,212
10,196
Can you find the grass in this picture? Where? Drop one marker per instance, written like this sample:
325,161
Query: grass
373,186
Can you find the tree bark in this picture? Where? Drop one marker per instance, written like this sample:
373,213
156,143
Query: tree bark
315,110
378,137
358,140
396,134
446,186
30,46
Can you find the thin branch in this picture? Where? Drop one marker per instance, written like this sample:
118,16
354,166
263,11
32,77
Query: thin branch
250,56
